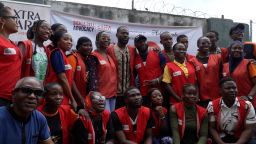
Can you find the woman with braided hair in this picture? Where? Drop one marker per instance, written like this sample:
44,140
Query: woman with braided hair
35,54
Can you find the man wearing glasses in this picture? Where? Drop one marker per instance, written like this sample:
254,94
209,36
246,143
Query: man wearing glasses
21,122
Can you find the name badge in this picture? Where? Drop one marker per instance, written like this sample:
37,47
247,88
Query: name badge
126,127
137,66
78,68
68,67
197,68
28,61
102,62
89,136
177,73
10,51
224,74
179,122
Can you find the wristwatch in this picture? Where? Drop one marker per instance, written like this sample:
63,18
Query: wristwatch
250,97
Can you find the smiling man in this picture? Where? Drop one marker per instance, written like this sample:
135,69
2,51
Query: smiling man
231,118
21,123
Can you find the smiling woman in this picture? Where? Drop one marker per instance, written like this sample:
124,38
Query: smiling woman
35,53
60,69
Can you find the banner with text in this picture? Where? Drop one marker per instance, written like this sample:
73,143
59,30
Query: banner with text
27,13
87,26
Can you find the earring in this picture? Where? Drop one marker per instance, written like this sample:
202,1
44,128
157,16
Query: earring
2,27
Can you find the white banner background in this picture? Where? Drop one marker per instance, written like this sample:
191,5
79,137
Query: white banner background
27,13
87,26
79,26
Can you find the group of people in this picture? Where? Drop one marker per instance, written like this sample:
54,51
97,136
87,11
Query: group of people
120,93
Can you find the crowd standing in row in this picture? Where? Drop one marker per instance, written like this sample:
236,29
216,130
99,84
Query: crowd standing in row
119,93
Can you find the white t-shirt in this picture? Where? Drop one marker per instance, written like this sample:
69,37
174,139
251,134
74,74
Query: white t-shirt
39,62
229,116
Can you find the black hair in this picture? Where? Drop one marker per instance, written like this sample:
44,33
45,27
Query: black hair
127,90
31,34
121,27
150,91
98,35
82,40
185,86
55,26
225,79
56,37
4,10
50,85
198,40
180,37
215,32
163,33
175,45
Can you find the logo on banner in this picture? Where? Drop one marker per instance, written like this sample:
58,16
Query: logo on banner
26,18
89,26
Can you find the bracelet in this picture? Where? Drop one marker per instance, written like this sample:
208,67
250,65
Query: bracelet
162,118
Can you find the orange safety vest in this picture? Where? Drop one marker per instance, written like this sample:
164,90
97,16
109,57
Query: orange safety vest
27,59
201,113
142,120
66,120
89,126
208,78
111,52
242,115
80,74
148,70
157,120
107,76
179,78
10,67
51,76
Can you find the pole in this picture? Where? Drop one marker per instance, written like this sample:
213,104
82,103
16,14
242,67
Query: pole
250,30
132,4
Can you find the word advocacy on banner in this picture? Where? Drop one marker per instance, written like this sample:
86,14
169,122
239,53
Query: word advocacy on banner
87,26
26,14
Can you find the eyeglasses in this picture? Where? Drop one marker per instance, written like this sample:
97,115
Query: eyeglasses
29,91
12,17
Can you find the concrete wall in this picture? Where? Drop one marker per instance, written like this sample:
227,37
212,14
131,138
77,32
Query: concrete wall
222,26
124,15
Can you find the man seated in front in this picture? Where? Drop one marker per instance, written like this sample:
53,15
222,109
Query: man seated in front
231,118
133,122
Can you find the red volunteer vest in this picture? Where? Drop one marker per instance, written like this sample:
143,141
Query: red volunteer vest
89,126
142,120
167,59
51,76
201,112
111,52
224,55
208,78
65,120
189,57
240,76
179,78
107,78
80,75
157,121
27,59
148,70
10,67
242,115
